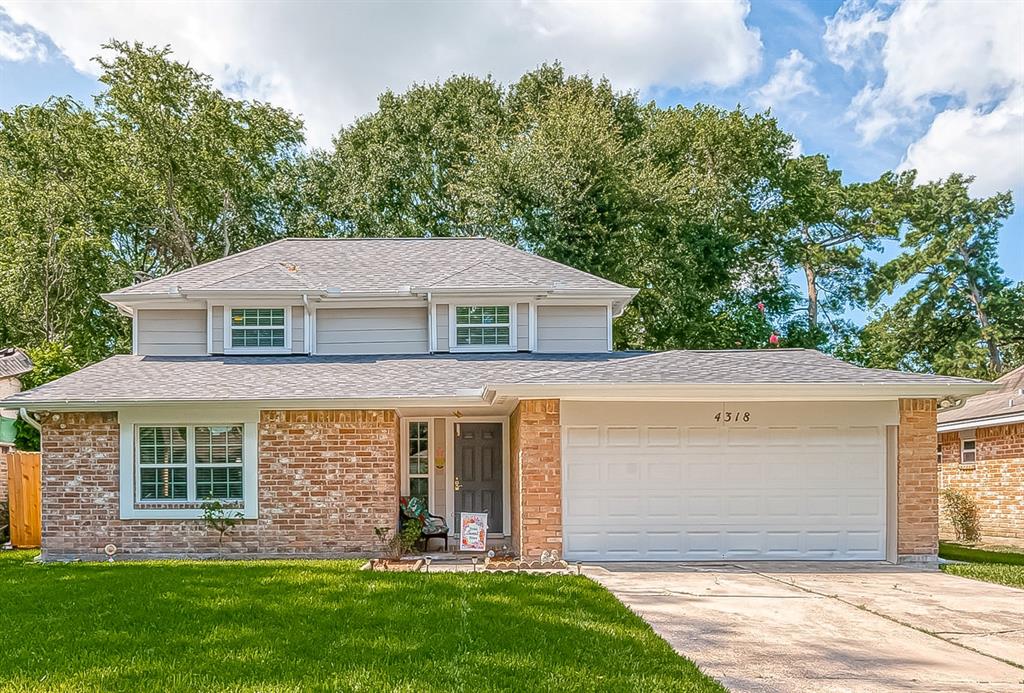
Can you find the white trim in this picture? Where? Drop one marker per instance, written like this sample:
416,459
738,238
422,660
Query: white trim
135,332
892,506
609,326
312,331
306,323
209,329
684,392
431,325
533,326
288,319
981,423
449,474
513,319
404,462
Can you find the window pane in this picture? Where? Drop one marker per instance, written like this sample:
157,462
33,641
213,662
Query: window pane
163,483
482,315
223,483
162,445
418,488
419,453
482,336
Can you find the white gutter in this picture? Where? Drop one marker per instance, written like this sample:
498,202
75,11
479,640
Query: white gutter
23,414
736,392
982,422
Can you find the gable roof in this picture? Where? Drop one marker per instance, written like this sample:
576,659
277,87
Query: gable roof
1007,400
14,362
141,379
376,265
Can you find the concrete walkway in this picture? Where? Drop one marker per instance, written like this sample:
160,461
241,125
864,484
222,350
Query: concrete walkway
830,627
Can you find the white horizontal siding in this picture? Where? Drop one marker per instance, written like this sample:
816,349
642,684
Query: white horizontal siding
217,320
523,327
441,325
298,330
371,331
572,329
171,332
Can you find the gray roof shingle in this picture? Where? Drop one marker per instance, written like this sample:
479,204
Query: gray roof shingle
14,362
240,378
376,265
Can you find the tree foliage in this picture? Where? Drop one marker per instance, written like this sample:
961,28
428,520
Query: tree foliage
959,313
731,240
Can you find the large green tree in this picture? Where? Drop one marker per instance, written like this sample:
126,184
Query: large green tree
674,201
831,229
959,311
199,167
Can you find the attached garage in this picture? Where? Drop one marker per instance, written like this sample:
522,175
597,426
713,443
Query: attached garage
726,481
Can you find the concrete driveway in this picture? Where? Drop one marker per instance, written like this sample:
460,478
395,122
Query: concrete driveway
830,627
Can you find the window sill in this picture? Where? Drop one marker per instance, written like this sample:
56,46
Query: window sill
481,349
188,510
236,351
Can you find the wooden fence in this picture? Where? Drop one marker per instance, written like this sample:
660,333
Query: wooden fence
24,487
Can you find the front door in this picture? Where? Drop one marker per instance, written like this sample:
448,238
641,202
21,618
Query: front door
478,472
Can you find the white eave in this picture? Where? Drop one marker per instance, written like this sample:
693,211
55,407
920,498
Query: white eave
982,422
737,392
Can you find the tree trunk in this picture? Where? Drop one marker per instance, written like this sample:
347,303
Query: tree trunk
812,282
995,359
812,296
974,294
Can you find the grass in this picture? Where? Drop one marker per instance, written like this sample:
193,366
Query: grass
318,625
1002,567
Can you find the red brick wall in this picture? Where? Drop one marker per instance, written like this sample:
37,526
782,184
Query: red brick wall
917,480
996,480
326,479
536,485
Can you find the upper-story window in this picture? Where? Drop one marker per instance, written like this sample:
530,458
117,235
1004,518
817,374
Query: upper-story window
480,327
258,328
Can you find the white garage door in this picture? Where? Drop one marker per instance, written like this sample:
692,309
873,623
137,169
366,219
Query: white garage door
714,481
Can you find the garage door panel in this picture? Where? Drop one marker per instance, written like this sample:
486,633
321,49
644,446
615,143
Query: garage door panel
673,490
663,436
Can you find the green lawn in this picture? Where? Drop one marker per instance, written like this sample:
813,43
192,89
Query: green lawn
1003,567
318,625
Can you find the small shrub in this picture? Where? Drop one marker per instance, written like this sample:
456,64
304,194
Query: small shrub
397,544
962,511
220,518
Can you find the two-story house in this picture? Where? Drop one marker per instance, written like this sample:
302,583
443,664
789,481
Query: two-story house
311,383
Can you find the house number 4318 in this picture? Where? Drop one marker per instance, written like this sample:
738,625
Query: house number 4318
731,416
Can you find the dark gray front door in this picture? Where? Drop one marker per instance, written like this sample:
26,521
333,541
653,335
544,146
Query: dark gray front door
478,472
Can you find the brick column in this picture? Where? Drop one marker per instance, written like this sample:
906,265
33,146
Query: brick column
536,485
917,476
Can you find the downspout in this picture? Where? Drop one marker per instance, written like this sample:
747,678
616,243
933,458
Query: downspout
23,415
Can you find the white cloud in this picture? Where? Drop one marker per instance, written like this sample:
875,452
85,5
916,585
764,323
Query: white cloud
329,61
989,145
950,70
792,78
19,45
850,32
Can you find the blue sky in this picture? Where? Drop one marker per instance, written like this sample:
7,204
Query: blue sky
934,85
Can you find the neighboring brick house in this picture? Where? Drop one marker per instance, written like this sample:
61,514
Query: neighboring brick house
14,363
981,451
311,383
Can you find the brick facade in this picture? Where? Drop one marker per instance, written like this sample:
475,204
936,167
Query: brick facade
917,481
996,480
535,436
326,479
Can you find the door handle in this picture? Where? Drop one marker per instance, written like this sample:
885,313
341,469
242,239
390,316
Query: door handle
458,484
